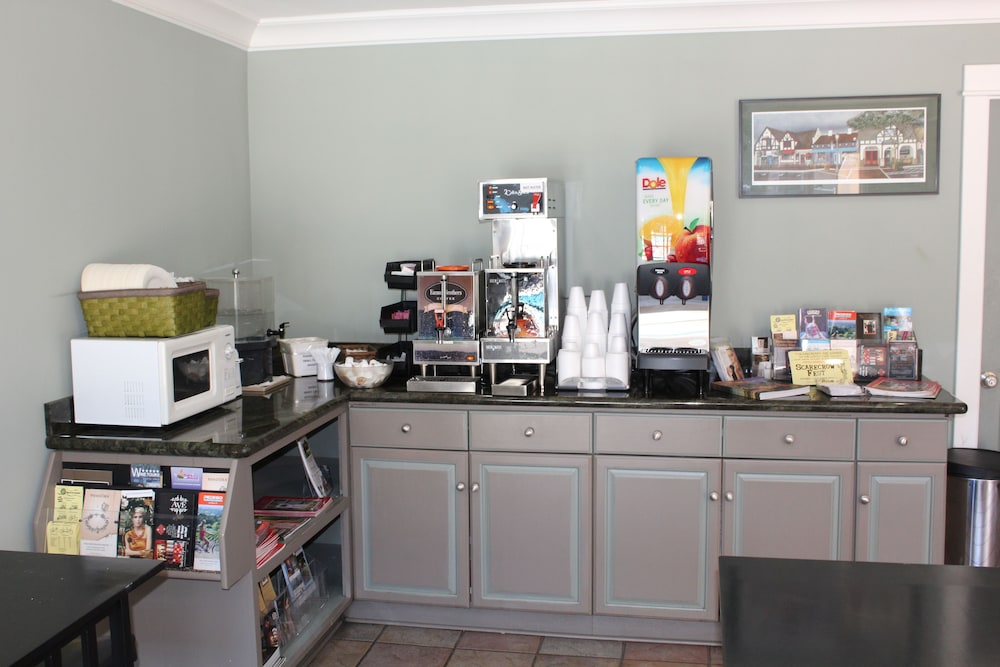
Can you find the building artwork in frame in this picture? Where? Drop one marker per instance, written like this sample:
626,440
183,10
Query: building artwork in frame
839,146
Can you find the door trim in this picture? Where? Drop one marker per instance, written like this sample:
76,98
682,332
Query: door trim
981,86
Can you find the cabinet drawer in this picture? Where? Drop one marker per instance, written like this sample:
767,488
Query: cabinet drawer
661,435
426,429
530,431
789,437
902,440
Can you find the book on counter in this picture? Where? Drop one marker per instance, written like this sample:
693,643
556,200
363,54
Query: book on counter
898,388
290,505
760,389
727,364
838,389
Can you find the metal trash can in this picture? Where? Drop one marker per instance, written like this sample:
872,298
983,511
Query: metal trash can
972,516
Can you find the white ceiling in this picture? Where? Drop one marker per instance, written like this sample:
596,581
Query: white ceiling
256,25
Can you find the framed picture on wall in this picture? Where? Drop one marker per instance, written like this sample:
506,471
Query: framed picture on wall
839,146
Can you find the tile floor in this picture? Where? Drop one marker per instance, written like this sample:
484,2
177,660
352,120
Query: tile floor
370,645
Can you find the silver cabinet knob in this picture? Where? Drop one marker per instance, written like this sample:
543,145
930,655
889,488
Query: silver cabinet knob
475,486
714,495
902,441
865,500
730,496
657,435
460,486
406,428
789,439
989,380
528,432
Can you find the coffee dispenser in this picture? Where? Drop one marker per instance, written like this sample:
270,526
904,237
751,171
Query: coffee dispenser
449,319
522,279
673,273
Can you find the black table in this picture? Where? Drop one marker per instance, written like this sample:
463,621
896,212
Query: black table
817,613
50,599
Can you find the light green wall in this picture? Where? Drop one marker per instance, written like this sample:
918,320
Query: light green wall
124,140
364,155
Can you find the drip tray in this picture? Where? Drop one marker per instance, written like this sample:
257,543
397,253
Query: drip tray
444,384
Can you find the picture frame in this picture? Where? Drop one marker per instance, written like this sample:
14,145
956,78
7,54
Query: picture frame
837,146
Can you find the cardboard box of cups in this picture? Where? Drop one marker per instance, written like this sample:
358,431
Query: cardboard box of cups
595,342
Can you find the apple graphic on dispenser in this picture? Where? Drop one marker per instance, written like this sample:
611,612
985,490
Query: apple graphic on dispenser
692,247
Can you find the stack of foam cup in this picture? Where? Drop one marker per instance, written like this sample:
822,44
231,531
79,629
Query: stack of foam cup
595,340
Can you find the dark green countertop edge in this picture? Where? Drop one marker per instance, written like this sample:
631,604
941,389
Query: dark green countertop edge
244,427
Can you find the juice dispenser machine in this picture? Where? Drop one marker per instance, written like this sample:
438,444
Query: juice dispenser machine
673,274
522,279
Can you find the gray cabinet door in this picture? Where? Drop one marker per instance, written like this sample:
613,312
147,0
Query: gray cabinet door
531,531
788,509
411,526
900,512
657,523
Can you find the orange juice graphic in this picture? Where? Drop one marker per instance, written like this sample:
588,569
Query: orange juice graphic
670,228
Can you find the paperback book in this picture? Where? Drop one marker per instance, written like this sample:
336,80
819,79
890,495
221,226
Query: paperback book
146,475
897,323
317,482
903,388
135,523
99,522
813,323
290,506
176,514
299,580
185,478
760,389
206,546
727,364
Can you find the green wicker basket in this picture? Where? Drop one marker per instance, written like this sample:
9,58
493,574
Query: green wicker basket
152,313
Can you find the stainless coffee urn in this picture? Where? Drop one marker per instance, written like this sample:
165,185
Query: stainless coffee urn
522,278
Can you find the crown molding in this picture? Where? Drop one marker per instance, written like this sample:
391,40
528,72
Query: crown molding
536,20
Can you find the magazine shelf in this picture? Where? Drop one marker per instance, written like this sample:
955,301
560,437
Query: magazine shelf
254,440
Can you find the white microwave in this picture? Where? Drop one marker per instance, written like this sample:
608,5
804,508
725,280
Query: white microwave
153,381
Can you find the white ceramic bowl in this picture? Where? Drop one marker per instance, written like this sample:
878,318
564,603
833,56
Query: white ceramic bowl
363,377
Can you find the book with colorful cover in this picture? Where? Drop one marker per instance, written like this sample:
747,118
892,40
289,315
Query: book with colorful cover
99,521
182,477
885,386
727,364
897,323
146,475
299,580
135,523
873,361
175,516
813,323
290,505
842,324
760,389
209,523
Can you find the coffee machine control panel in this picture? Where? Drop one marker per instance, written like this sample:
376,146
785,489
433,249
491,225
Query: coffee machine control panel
519,198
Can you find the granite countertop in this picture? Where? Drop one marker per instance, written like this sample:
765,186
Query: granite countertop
243,427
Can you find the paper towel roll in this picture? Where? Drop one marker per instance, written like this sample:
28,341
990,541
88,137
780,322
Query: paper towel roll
99,277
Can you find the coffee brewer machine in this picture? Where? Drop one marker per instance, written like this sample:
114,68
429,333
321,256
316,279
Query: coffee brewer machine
673,274
522,279
449,319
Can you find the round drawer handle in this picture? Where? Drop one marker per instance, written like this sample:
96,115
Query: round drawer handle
528,432
902,441
730,496
789,439
475,486
865,500
460,486
657,435
714,495
406,428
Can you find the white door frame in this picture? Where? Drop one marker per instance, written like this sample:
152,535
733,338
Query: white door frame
981,86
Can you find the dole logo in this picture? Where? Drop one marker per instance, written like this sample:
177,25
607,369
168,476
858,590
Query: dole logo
657,183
